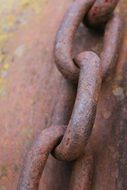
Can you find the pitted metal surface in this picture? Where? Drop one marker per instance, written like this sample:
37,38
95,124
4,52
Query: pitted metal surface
68,28
64,61
37,157
84,112
88,70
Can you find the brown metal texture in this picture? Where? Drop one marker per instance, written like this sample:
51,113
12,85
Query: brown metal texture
83,115
27,105
81,121
101,11
74,140
82,173
37,157
67,31
84,111
111,44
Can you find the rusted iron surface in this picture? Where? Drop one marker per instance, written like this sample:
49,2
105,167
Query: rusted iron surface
105,137
108,137
84,111
25,103
68,28
101,11
22,115
61,115
75,138
82,119
112,43
82,175
37,157
65,37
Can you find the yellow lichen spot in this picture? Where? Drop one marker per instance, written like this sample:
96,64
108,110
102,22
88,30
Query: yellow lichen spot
25,3
27,131
1,81
3,37
2,92
1,57
33,5
6,66
3,74
13,13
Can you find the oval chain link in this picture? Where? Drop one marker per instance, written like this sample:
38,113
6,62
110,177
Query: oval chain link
37,156
84,111
79,10
71,146
89,70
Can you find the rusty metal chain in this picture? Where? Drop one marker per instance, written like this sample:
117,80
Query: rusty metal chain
37,157
84,111
88,70
93,11
78,130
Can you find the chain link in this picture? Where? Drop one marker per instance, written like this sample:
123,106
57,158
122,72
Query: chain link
84,111
88,70
75,138
36,158
100,12
79,10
